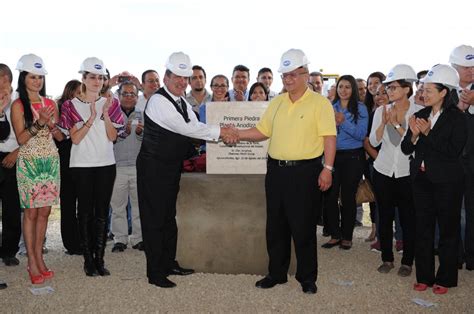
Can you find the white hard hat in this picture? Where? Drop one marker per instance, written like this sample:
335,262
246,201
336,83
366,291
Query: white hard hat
31,63
179,64
442,74
93,65
462,55
401,72
291,60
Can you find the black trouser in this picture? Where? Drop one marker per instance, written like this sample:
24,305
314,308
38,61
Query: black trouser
69,222
11,212
94,187
394,192
158,187
291,195
368,174
341,217
437,202
469,205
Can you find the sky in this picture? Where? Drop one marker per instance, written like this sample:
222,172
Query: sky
338,36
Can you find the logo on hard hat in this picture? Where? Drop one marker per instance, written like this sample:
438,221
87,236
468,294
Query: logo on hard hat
430,73
390,74
97,66
38,65
286,63
469,57
182,66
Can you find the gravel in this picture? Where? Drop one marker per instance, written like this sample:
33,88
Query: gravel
348,282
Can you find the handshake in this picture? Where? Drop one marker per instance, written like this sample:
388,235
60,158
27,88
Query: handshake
230,135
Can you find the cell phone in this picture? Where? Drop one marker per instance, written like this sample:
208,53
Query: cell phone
122,79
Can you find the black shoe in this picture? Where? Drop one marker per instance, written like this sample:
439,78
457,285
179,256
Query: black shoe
180,271
3,285
162,282
309,287
119,247
460,266
329,245
11,261
469,267
269,282
345,245
357,223
139,246
90,270
102,271
74,252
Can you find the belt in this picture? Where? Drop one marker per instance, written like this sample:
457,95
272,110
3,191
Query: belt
291,163
349,151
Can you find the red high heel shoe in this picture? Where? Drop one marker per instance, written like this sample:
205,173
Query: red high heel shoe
47,274
35,279
437,289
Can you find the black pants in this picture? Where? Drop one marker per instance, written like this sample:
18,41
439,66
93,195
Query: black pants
341,217
291,195
394,192
437,202
11,212
94,187
158,187
469,205
68,201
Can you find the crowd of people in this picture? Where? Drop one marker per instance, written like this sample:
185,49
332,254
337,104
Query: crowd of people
113,160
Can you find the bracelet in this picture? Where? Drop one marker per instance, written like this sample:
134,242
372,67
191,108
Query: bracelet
87,125
32,130
330,168
38,126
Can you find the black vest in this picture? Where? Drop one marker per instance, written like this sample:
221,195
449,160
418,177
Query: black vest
163,144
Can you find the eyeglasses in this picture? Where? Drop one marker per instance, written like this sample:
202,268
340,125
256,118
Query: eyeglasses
219,86
291,75
126,94
392,88
153,81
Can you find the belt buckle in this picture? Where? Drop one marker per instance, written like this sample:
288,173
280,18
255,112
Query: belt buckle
282,163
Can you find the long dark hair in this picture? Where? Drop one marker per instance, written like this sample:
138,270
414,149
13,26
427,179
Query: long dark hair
369,98
449,101
353,106
254,86
68,92
25,100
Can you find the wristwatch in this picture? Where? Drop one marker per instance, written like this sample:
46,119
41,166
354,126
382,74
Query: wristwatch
330,168
397,126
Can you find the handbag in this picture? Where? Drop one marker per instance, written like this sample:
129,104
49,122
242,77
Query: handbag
365,192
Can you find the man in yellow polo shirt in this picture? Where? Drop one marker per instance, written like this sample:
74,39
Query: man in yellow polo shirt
301,128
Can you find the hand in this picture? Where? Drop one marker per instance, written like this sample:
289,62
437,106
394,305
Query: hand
5,99
139,128
230,135
239,95
10,159
136,81
413,126
114,80
108,103
385,116
392,116
325,180
467,97
45,115
340,118
423,125
93,112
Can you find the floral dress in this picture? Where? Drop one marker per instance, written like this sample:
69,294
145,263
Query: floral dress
38,167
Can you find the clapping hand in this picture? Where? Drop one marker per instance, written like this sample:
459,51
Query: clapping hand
45,115
239,95
339,118
108,103
467,97
423,125
413,126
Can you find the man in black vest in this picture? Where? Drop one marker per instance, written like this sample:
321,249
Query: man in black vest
462,59
169,126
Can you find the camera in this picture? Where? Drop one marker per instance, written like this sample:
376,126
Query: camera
122,79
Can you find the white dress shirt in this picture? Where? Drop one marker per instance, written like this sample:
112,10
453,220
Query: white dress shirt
391,161
164,113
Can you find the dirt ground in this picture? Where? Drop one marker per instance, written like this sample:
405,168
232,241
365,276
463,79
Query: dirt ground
348,282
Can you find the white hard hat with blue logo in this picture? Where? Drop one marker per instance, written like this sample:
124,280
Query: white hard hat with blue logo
401,72
291,60
93,65
31,63
462,55
180,64
443,74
